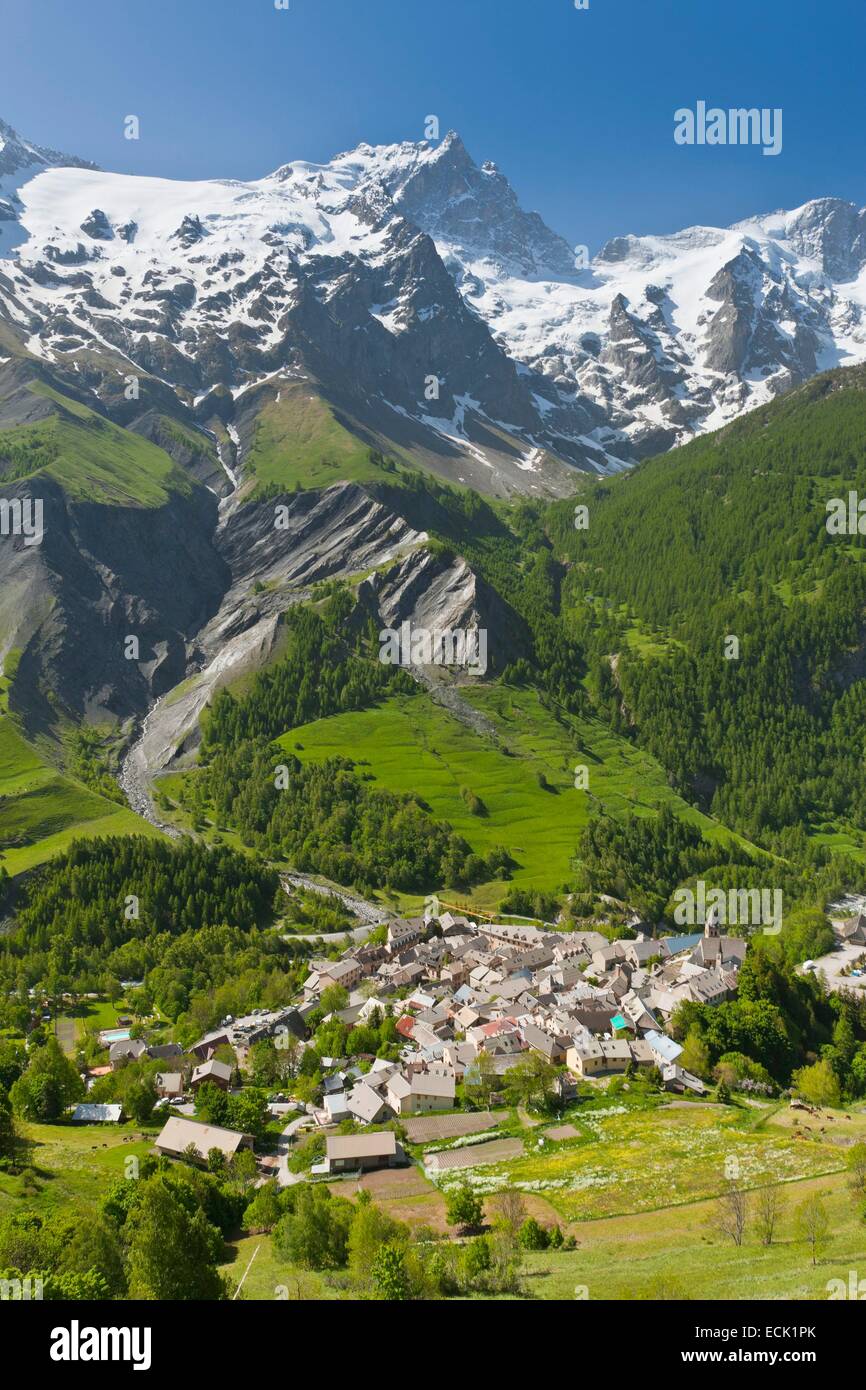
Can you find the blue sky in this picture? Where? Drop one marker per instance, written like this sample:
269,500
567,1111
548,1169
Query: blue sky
576,107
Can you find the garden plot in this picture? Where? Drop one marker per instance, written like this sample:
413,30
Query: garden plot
496,1151
425,1129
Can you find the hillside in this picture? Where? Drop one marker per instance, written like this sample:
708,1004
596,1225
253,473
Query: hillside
41,809
619,629
88,456
733,513
413,746
630,621
728,538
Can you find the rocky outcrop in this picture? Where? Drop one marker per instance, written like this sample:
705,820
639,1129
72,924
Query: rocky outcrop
438,594
834,233
762,325
456,201
273,552
71,603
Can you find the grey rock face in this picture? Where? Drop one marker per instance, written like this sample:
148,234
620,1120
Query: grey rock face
835,233
16,154
634,347
438,595
452,199
748,332
729,332
190,231
70,602
337,532
97,226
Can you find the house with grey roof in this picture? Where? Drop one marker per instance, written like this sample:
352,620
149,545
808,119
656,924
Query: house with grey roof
179,1135
89,1113
366,1105
163,1052
127,1050
218,1073
551,1048
169,1084
352,1153
420,1093
853,932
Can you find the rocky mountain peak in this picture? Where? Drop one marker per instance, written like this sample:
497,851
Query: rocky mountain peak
410,284
20,160
454,200
832,231
17,154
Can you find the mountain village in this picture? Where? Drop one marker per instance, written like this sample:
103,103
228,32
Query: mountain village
470,1000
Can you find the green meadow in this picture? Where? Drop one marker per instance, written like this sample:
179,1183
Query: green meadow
91,458
677,1253
252,1264
410,744
71,1164
624,1161
299,440
649,1229
42,810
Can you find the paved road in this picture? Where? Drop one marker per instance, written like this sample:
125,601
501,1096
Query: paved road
356,934
285,1177
370,914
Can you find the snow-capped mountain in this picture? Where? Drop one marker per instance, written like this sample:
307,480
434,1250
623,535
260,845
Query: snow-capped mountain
20,161
406,286
667,335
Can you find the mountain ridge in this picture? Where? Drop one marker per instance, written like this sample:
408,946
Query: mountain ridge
407,284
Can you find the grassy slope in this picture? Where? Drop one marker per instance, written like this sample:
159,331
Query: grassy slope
755,490
413,745
675,1253
95,460
268,1277
638,1190
298,440
72,1164
622,1252
671,1253
44,810
189,439
628,1161
41,809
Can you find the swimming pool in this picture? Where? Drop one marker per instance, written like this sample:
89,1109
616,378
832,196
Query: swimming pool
113,1035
